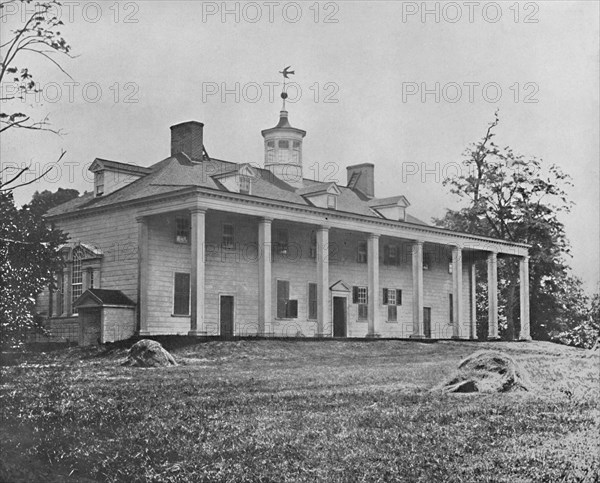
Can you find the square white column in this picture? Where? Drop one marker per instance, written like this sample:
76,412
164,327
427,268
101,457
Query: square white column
264,276
473,282
143,276
323,312
457,292
524,298
197,279
417,276
492,268
373,276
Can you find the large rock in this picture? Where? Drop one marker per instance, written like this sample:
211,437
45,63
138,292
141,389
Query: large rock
149,353
488,371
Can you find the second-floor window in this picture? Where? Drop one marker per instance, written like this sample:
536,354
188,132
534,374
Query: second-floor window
390,255
362,252
228,236
282,242
182,229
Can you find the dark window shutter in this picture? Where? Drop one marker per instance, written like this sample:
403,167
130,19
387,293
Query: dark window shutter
283,294
367,290
386,254
292,307
385,296
312,301
354,295
398,297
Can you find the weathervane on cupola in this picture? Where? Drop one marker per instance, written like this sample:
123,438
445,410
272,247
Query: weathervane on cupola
283,143
286,73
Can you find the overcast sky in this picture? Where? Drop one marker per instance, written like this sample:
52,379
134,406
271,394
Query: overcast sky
362,68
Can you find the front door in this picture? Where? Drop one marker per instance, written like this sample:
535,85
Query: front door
427,322
339,316
226,316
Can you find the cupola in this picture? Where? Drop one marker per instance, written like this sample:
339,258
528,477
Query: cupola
283,150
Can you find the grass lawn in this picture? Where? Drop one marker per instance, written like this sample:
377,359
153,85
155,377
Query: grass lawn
298,411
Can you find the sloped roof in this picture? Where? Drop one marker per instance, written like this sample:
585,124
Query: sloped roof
179,172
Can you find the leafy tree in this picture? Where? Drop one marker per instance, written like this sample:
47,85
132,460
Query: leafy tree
518,199
28,259
46,200
28,247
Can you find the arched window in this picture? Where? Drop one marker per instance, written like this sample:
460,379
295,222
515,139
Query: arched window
76,277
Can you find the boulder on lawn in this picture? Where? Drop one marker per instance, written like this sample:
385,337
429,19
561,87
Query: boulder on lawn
149,353
488,371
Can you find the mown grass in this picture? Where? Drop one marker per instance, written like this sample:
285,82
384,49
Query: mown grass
298,411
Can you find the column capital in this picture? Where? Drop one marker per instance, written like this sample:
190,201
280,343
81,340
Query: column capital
373,236
197,209
266,219
418,242
323,228
141,219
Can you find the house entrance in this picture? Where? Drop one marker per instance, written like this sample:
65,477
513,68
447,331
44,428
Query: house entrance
226,316
427,322
339,316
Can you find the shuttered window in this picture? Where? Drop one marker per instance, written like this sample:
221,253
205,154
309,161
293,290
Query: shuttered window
286,308
181,294
360,296
392,298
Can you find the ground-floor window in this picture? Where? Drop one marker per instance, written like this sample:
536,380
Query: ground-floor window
286,308
360,296
181,294
392,298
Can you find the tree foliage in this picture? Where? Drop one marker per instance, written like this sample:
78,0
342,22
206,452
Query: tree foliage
28,259
519,199
28,247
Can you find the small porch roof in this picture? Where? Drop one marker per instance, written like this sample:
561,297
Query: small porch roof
96,297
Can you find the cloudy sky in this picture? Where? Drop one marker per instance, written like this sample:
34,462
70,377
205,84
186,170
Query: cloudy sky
404,87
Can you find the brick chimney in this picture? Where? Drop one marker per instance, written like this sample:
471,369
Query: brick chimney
187,137
362,177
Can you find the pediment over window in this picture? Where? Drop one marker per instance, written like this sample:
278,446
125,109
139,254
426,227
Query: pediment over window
340,286
85,251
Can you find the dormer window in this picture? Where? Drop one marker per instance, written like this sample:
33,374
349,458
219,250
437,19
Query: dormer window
332,202
245,185
99,182
284,144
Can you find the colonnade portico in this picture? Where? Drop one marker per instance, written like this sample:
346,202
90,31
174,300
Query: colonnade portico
374,327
